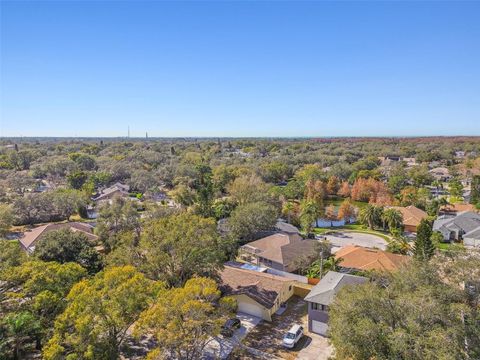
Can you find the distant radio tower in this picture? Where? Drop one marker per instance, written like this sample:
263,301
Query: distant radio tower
146,135
128,136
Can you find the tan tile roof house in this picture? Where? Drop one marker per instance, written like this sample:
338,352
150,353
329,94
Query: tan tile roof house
257,293
360,258
278,251
31,237
411,217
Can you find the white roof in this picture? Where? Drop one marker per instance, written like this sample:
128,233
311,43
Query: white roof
294,328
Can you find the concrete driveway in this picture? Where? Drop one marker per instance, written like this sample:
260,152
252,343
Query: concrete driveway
341,239
267,337
220,347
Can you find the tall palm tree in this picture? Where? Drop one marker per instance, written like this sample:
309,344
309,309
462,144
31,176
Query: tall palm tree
308,215
392,218
368,215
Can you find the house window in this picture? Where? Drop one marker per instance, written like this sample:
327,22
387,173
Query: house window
319,307
290,288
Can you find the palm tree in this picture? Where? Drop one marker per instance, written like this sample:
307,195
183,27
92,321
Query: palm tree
308,215
320,267
20,327
399,244
393,218
370,215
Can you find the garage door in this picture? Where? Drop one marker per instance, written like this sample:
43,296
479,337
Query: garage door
250,309
319,327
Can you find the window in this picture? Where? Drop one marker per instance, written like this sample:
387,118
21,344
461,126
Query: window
290,288
320,307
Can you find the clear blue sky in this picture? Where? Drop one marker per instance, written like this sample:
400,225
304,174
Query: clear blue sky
240,68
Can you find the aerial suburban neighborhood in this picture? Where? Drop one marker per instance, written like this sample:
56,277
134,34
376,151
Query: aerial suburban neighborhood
239,180
281,249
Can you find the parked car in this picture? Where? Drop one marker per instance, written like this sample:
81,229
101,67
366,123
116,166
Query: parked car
292,337
230,326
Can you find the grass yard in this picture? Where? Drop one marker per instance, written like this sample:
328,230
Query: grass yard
449,246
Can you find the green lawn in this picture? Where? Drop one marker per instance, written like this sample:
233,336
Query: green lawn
338,201
449,246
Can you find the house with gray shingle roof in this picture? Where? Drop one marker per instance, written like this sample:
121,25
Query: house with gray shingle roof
323,294
464,226
109,193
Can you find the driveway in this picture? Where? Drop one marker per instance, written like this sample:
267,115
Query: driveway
267,337
220,347
341,239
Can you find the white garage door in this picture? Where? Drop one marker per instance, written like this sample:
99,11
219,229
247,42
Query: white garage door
250,309
319,327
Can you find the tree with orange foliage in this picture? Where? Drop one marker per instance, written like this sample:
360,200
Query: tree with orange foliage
372,191
409,196
346,211
332,185
330,214
316,191
344,190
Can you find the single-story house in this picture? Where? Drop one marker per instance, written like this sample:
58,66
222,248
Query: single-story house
411,217
355,257
441,174
111,192
472,238
410,161
30,238
257,293
323,294
463,225
460,154
279,251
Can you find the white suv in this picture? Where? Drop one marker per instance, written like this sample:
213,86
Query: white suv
292,337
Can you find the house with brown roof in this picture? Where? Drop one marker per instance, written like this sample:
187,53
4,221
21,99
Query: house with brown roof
354,257
257,293
279,251
30,238
411,217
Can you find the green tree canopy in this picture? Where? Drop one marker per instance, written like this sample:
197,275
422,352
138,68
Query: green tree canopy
175,248
65,245
424,248
248,220
98,314
415,314
38,289
183,320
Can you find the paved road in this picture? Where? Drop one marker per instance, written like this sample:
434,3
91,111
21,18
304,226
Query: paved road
341,239
220,347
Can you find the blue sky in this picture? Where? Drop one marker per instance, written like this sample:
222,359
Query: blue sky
78,68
